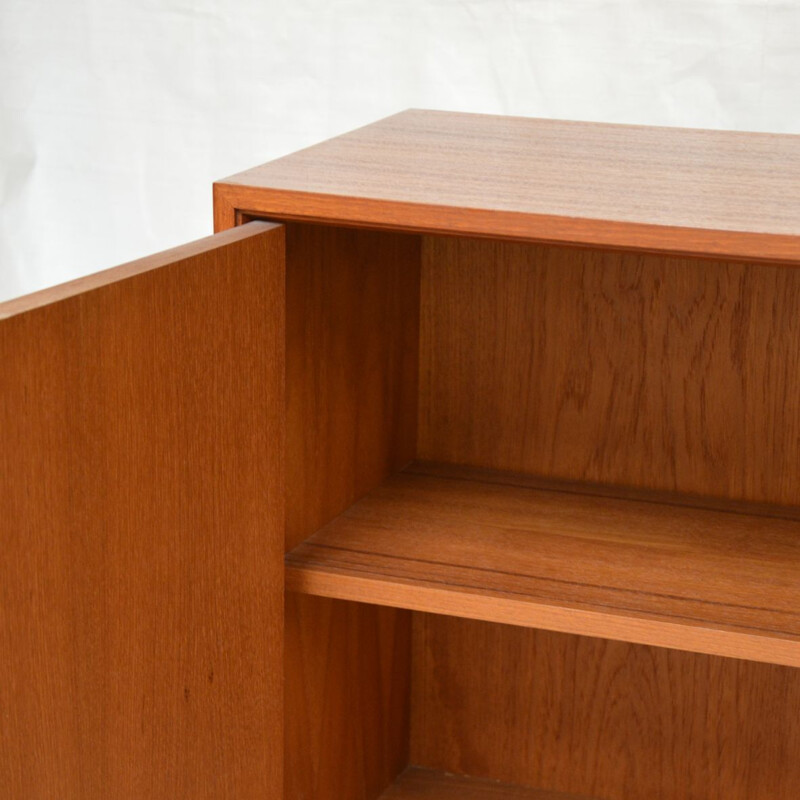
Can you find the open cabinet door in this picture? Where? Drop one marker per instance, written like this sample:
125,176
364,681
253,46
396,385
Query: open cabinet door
141,528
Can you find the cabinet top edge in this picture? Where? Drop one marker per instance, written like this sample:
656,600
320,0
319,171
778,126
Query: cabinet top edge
695,191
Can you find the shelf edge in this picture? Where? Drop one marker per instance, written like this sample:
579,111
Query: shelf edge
630,627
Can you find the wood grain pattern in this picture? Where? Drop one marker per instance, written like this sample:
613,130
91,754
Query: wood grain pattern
141,578
717,193
347,698
689,578
631,370
352,343
425,784
611,720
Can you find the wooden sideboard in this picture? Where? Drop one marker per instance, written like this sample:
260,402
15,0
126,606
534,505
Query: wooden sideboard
461,463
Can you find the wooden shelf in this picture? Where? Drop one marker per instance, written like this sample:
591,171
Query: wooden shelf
707,580
424,784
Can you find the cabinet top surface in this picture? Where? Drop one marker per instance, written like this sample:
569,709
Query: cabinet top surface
682,190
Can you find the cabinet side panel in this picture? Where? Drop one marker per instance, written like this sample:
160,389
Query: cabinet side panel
352,362
347,698
141,574
224,211
601,718
635,370
352,356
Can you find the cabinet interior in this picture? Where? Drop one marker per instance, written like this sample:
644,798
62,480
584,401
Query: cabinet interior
541,530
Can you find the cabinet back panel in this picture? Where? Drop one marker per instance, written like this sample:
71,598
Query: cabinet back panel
629,369
352,309
602,718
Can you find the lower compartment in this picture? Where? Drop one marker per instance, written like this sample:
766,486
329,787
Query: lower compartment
524,713
600,718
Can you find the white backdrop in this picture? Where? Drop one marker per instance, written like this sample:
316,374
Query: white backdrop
116,115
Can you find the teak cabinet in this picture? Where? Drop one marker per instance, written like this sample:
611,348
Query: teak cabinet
462,463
